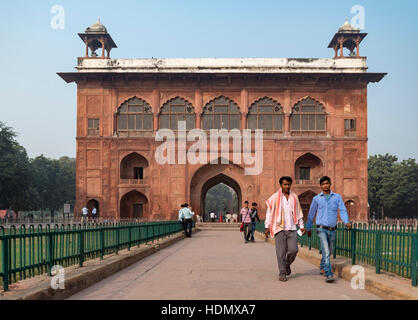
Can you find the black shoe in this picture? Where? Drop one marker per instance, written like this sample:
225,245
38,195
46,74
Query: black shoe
329,279
252,240
288,271
282,277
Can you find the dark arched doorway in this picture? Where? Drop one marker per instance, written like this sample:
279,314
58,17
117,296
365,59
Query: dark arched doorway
134,205
305,200
350,205
93,203
214,181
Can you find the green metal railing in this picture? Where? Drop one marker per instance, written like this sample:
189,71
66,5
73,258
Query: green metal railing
26,252
386,247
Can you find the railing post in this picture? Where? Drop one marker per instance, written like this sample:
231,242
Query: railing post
353,246
101,243
51,251
377,249
81,244
310,241
129,237
334,248
139,235
5,263
414,259
117,240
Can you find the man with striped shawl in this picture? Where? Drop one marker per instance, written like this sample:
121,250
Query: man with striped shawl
283,214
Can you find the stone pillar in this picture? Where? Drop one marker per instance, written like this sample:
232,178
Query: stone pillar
156,108
115,123
198,101
103,47
87,49
328,124
341,41
287,110
244,108
243,120
286,130
357,45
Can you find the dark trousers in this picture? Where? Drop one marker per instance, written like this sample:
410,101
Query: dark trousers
248,227
188,224
253,230
183,225
286,249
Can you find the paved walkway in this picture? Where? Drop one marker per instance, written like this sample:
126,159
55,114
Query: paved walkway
218,265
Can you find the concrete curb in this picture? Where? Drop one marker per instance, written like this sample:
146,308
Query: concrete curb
93,271
385,285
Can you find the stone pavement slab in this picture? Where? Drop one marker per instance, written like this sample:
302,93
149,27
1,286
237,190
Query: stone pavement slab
218,265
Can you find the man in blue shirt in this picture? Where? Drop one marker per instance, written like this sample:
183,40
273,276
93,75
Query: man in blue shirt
326,205
186,216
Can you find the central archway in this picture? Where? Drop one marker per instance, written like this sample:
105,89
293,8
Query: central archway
209,176
220,178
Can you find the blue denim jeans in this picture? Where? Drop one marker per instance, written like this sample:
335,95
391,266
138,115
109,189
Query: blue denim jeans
327,239
253,230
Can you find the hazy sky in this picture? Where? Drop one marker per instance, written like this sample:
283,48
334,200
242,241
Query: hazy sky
41,107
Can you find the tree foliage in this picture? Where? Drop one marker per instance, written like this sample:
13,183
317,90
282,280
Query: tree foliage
393,187
32,184
220,198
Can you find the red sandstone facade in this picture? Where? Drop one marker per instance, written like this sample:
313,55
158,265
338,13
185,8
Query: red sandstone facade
107,156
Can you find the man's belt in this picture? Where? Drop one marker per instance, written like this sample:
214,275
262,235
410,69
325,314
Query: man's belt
327,228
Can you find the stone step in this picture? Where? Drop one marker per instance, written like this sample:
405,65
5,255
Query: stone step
218,226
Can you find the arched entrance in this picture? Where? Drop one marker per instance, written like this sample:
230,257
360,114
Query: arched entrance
134,205
93,203
305,200
209,176
350,205
209,184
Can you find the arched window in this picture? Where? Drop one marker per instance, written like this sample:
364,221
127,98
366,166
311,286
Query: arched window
266,114
221,113
134,115
308,169
176,110
133,166
308,118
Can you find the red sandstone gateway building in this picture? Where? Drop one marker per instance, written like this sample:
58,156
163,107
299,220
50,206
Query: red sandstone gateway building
313,113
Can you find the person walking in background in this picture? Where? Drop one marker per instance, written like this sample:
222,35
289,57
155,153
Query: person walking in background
187,215
93,213
254,217
326,205
181,219
283,214
212,216
85,213
246,220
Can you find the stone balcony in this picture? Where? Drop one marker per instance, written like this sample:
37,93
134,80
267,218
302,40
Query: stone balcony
136,182
307,182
